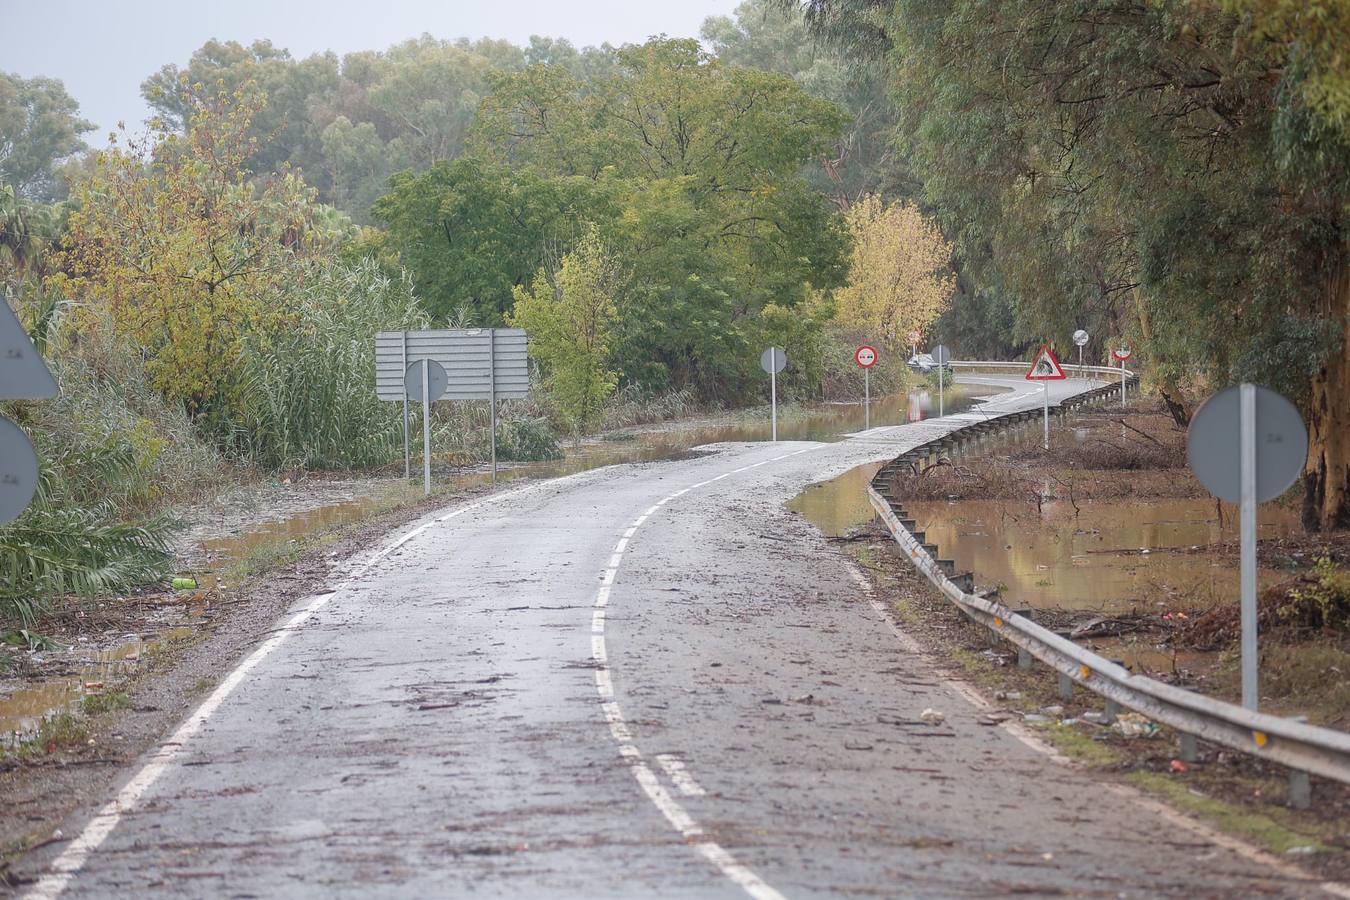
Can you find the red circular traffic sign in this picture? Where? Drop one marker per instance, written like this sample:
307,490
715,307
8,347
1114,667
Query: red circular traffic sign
866,356
1122,353
914,337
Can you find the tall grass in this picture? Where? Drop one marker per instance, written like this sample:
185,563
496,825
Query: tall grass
310,388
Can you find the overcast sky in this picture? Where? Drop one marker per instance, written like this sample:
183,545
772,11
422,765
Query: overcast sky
104,49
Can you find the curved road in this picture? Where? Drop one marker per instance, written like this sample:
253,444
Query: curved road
645,680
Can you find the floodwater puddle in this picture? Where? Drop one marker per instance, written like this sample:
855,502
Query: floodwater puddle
1146,556
265,519
1107,556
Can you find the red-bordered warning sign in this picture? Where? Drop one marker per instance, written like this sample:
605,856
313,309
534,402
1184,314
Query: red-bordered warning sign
1123,352
866,357
1046,367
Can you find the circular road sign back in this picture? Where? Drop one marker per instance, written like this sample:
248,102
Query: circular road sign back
18,471
866,356
941,354
436,380
773,360
1213,445
1080,337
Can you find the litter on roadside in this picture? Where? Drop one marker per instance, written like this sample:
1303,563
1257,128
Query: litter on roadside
1132,725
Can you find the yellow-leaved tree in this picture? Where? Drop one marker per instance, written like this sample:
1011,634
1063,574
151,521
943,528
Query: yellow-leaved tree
899,277
183,245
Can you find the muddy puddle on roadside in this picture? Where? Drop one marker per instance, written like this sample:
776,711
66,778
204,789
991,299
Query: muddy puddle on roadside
217,542
1151,557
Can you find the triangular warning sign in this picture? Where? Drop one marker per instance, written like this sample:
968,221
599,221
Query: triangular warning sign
1046,367
23,374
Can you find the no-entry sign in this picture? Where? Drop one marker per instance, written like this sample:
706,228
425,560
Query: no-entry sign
866,356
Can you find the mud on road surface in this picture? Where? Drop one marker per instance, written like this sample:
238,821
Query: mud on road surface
639,680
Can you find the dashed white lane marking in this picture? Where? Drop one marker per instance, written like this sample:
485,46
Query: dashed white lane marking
619,728
72,859
679,775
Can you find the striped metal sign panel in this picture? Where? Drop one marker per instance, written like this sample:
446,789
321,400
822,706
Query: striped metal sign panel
465,354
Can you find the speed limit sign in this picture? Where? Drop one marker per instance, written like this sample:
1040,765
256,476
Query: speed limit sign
866,356
1123,352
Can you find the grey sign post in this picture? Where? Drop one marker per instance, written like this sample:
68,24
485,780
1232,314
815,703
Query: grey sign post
940,356
773,360
480,363
425,380
1080,337
1268,455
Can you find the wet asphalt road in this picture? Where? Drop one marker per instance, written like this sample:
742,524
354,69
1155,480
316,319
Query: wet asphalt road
582,691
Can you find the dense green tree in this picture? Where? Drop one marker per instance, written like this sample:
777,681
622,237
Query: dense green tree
700,163
40,126
345,124
470,231
768,35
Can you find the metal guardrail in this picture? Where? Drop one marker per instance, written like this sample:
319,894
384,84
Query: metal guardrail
1303,747
1069,368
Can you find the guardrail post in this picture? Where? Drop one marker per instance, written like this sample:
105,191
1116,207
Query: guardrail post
1300,789
1065,687
1112,710
1190,749
1023,658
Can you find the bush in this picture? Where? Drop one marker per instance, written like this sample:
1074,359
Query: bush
310,387
527,440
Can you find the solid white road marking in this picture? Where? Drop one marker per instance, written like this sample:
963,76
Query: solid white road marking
669,807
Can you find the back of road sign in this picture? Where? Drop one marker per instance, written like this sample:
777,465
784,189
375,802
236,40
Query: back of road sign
23,374
1046,367
1212,445
18,470
773,360
437,380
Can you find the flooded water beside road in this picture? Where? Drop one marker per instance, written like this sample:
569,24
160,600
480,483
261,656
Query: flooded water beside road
1106,556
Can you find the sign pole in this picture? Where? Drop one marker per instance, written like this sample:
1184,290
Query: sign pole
941,406
407,450
1045,393
773,402
426,429
1247,450
1122,384
492,390
867,399
1080,360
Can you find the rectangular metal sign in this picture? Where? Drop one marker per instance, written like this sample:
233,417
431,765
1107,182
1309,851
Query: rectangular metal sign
480,362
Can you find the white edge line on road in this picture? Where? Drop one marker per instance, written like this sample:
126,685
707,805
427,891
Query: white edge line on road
64,868
739,874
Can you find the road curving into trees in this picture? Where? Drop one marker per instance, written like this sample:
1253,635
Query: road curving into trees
635,681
